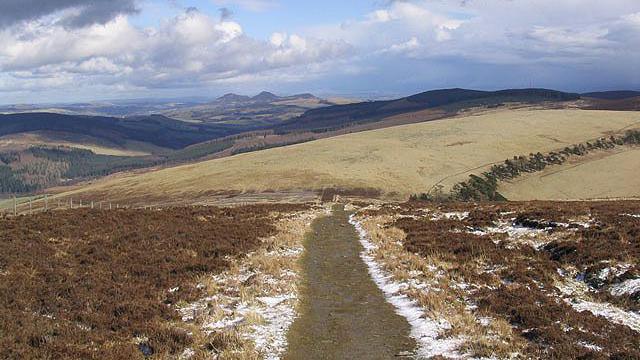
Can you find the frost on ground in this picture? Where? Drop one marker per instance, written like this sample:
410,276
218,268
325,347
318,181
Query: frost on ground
627,287
488,273
426,331
576,294
251,306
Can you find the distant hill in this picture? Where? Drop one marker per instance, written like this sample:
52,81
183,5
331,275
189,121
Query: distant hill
265,96
263,110
451,100
155,129
44,149
261,98
612,95
118,108
231,98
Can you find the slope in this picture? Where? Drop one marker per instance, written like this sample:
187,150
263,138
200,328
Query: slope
157,130
612,174
451,100
399,161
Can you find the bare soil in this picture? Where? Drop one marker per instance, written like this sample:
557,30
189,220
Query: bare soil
343,314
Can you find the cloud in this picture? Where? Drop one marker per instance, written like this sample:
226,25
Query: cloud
190,50
252,5
411,44
77,13
225,13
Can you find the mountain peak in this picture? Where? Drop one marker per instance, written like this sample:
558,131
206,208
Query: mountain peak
233,98
265,96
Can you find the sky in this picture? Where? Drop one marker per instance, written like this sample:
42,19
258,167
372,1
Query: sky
78,50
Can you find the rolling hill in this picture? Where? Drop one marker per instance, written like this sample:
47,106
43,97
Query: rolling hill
45,149
156,129
608,175
398,161
94,146
612,95
450,100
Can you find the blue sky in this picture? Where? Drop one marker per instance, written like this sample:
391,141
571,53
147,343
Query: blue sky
73,50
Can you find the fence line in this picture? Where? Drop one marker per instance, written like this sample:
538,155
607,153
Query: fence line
34,205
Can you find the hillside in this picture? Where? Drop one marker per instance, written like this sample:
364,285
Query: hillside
451,100
43,149
25,140
613,174
157,130
612,95
399,161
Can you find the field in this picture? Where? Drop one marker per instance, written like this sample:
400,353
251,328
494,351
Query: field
534,280
111,284
398,161
610,175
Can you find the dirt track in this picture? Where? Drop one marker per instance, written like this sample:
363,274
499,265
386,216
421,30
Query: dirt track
343,314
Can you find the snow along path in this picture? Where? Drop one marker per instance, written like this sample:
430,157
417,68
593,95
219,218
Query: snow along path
255,300
424,330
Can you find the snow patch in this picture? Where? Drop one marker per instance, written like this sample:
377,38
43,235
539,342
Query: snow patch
270,337
574,290
608,311
424,330
628,287
592,347
264,319
455,215
613,271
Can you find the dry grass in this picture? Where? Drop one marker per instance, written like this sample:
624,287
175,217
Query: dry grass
610,175
400,160
441,300
269,271
515,285
86,284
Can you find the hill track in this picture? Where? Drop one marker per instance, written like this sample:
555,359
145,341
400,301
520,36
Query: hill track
343,315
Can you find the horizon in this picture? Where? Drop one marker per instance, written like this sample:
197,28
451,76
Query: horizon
205,99
70,52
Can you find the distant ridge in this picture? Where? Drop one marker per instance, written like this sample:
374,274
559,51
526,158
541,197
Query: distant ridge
612,95
263,97
232,98
449,100
155,129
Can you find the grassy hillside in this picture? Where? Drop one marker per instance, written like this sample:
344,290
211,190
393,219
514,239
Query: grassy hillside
451,100
612,174
400,160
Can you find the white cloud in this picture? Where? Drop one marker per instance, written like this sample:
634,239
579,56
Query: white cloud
560,39
192,49
253,5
